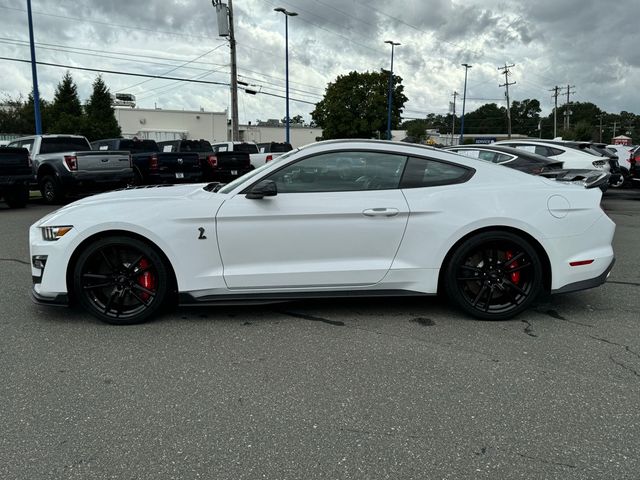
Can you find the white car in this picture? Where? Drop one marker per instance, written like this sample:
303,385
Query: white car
332,219
624,154
571,158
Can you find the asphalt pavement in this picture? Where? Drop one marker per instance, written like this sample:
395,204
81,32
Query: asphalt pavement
359,388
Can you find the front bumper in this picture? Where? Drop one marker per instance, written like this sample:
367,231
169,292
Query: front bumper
59,300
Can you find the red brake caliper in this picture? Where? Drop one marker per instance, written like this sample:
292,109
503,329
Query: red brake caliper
146,280
515,276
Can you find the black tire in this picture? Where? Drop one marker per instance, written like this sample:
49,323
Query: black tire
494,275
17,196
623,180
121,280
51,190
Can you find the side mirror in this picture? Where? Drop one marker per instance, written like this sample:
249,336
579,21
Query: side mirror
266,188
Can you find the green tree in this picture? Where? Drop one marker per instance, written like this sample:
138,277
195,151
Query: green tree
66,111
355,105
18,116
100,120
489,118
416,129
525,116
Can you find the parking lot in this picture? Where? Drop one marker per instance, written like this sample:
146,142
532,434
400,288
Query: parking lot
355,388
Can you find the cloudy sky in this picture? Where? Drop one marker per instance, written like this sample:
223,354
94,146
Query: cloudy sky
587,43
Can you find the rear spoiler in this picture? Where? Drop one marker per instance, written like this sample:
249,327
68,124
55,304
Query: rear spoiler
586,178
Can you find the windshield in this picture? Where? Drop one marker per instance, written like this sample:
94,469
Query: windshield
238,181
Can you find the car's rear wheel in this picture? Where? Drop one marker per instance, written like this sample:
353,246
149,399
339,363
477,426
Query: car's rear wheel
494,275
120,280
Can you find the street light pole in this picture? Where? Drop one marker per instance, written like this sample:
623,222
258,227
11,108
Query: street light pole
464,101
34,73
390,95
287,14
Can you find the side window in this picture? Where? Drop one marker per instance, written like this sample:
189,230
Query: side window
526,148
487,156
341,172
421,172
541,150
503,158
468,153
27,144
15,145
554,152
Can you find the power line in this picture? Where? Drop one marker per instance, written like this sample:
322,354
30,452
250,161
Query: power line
133,74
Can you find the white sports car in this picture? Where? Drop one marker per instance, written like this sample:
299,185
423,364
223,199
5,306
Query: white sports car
332,219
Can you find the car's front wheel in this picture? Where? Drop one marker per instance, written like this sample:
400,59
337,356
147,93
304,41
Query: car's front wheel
494,275
120,280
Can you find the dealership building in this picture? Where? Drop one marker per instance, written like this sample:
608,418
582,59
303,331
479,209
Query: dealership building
159,124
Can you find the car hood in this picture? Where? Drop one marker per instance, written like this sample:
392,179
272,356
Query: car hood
129,202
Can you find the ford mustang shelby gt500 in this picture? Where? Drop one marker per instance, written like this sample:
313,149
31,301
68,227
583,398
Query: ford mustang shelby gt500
336,218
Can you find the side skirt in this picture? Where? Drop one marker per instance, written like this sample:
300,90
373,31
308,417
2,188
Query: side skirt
188,299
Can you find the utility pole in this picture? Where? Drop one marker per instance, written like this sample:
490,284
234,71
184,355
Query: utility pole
453,117
229,32
506,94
34,73
464,101
600,117
555,91
567,112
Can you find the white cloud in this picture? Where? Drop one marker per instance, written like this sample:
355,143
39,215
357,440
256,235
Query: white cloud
552,43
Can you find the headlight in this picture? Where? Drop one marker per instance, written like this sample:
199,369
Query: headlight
52,234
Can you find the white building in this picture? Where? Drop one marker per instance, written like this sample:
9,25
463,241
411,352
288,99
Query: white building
160,124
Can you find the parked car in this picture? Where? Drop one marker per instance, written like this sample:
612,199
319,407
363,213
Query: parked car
416,221
274,147
216,167
634,166
65,165
15,176
623,153
152,166
257,159
509,157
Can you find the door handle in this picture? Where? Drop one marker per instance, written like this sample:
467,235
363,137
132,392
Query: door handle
380,212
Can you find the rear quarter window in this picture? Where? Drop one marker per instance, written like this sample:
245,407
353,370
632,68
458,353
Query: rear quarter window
422,172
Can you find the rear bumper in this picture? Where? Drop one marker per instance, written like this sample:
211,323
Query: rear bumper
587,284
87,181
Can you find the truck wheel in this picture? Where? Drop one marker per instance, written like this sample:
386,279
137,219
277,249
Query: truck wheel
17,196
51,190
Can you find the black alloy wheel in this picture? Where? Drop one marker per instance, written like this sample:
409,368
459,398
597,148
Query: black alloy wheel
494,275
120,280
51,190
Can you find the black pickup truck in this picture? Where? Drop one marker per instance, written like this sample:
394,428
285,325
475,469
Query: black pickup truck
15,175
153,166
216,166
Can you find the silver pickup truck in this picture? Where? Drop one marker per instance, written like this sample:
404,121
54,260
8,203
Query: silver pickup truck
65,165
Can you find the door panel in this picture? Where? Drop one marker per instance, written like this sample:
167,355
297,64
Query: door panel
316,239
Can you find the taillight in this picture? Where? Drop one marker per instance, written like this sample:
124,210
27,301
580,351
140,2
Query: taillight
153,162
269,158
212,160
72,162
